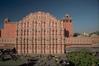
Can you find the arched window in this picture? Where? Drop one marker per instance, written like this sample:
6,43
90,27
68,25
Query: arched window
66,20
70,20
66,33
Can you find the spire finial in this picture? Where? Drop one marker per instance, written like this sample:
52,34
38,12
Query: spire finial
6,20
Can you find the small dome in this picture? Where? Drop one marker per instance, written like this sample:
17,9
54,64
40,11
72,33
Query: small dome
6,20
67,15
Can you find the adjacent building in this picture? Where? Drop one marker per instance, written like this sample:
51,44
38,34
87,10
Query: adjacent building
8,34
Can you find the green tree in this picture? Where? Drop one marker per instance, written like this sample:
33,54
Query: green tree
76,34
46,61
82,58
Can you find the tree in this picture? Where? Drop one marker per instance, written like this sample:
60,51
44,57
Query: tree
97,32
46,61
76,34
82,58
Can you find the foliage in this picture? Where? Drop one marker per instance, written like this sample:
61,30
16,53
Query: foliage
46,61
82,58
76,34
12,62
97,32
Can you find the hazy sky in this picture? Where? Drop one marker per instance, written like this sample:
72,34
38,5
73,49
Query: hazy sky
85,13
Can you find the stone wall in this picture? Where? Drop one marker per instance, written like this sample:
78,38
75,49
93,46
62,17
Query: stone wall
9,30
82,41
7,43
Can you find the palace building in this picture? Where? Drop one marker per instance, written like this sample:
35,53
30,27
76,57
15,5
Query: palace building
41,33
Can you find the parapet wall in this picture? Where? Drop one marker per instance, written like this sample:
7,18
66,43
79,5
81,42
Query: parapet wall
7,43
82,41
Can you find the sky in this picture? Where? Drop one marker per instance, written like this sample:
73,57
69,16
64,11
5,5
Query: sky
84,13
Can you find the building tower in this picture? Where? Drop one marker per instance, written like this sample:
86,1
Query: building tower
68,32
0,33
9,29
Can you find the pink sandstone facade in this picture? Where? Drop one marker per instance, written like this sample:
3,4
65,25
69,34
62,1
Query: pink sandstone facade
9,30
42,33
8,34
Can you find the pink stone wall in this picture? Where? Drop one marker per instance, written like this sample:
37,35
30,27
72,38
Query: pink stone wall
9,30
